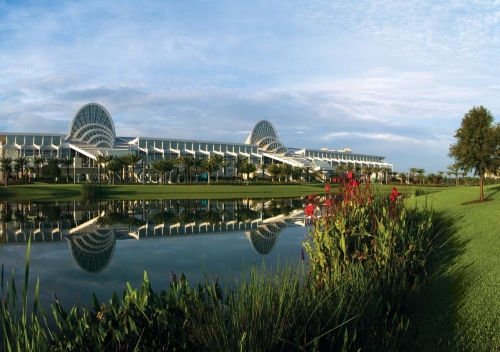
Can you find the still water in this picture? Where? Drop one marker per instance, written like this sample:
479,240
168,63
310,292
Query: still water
78,249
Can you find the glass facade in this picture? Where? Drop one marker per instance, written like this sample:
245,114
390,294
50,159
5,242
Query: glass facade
92,133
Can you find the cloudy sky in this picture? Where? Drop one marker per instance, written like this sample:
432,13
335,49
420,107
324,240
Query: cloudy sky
384,77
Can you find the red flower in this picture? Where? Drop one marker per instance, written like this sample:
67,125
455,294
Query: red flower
328,202
309,210
394,194
327,188
350,175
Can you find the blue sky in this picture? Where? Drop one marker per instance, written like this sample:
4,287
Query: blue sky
385,77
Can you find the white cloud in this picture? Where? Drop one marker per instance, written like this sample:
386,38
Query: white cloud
370,74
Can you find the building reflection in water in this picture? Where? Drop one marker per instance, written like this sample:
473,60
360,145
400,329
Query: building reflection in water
92,230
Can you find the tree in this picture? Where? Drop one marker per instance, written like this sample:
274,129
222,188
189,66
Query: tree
198,161
20,163
273,170
477,146
187,161
238,163
6,168
248,168
102,160
286,171
38,160
130,160
454,169
210,165
51,170
163,166
420,175
218,161
113,167
67,163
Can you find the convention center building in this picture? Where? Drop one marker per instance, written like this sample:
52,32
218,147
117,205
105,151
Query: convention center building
92,133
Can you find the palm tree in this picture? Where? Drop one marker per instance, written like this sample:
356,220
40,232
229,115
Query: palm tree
248,168
297,173
286,170
163,166
197,165
401,176
21,162
386,170
210,165
239,161
367,171
113,167
378,169
454,169
413,172
224,164
273,170
102,160
263,168
218,160
130,160
38,160
6,168
187,161
67,163
421,173
29,171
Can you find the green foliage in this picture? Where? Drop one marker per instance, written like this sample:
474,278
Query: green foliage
378,248
51,170
477,144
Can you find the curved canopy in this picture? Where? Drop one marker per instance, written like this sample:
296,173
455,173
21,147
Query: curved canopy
93,251
265,136
92,124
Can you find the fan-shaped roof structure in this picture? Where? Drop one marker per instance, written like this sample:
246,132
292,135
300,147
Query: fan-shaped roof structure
93,125
265,237
265,136
93,251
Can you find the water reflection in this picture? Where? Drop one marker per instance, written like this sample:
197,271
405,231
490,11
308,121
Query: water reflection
92,230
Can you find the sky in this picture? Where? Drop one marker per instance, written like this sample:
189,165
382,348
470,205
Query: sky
386,77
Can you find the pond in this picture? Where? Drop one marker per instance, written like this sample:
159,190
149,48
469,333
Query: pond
78,249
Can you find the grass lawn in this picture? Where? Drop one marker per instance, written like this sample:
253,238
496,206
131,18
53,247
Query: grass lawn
459,308
42,191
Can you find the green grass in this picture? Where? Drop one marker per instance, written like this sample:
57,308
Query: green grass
459,307
41,191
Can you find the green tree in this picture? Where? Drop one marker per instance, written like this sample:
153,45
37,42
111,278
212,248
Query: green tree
102,160
238,163
51,170
163,166
210,165
67,163
6,168
273,170
218,161
20,163
454,169
130,160
248,168
187,161
477,146
113,167
38,160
